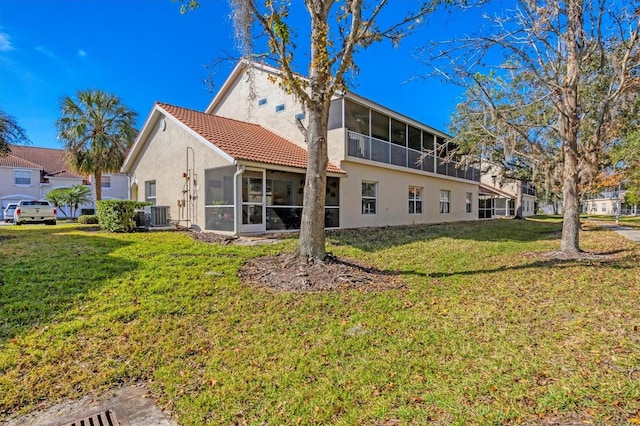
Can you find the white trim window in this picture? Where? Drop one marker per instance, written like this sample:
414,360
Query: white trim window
415,200
150,192
262,102
22,177
105,182
369,197
445,201
469,202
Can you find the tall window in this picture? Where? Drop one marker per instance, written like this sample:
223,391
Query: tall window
106,182
150,192
22,177
445,201
369,197
469,201
415,200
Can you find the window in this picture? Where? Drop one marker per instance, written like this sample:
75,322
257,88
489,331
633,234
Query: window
415,138
369,197
300,116
22,177
280,108
398,132
106,182
357,118
415,200
445,201
469,201
604,207
150,192
379,126
262,102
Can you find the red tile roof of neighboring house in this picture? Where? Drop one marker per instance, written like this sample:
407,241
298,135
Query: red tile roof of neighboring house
51,160
13,161
243,141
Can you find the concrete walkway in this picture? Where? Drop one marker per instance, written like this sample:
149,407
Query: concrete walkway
632,234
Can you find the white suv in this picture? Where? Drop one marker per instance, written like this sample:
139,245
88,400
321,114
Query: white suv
8,212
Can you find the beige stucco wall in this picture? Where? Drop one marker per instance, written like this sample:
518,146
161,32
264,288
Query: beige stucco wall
393,201
602,206
163,158
240,102
119,189
9,188
12,193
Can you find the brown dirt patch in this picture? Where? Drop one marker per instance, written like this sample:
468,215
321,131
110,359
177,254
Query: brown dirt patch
286,273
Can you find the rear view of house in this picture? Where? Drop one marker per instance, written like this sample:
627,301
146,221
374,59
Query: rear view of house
239,166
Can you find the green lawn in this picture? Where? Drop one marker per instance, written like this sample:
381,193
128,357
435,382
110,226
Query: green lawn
630,221
485,332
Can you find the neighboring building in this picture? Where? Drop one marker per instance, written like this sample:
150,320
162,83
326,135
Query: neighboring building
30,173
504,197
239,166
609,202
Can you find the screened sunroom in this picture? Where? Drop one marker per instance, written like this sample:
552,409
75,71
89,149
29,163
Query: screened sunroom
243,199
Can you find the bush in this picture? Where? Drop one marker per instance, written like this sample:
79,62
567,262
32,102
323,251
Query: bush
118,215
88,219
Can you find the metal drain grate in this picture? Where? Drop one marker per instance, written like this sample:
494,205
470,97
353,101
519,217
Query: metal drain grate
106,418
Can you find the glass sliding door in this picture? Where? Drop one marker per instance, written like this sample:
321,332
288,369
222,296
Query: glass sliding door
253,194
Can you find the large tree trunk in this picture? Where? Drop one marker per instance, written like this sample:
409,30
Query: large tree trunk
569,124
312,239
570,242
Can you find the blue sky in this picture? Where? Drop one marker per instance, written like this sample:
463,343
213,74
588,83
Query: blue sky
146,51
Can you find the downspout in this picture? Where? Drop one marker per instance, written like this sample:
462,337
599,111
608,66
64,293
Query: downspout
237,207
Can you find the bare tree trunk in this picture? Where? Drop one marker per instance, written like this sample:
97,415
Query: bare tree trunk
569,125
570,242
312,238
98,184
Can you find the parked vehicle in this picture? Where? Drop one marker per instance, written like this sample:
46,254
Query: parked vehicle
9,211
35,212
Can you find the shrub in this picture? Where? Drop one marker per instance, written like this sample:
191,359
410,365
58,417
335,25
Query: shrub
88,219
118,215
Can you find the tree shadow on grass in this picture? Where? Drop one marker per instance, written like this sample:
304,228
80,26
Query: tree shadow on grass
376,239
44,274
609,259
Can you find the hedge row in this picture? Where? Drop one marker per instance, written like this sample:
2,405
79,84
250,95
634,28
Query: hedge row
118,215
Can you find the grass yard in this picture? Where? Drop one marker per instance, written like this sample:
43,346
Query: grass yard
485,332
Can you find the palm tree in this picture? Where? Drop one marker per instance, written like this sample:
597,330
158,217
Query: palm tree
59,197
78,194
10,133
96,130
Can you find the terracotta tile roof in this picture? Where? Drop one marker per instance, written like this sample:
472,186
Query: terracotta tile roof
51,160
243,141
13,161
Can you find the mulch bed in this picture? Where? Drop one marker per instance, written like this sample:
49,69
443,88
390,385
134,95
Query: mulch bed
286,273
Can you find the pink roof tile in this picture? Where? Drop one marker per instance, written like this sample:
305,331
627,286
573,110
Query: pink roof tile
243,141
52,161
13,161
